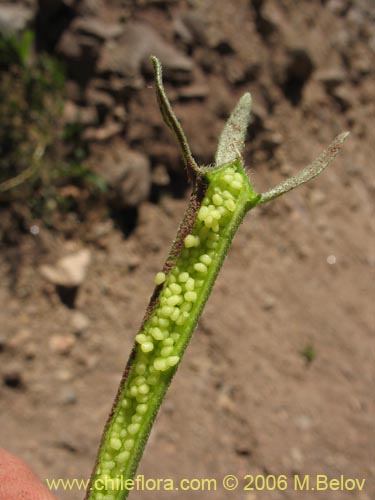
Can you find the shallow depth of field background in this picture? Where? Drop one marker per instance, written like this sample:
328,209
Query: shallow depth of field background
278,376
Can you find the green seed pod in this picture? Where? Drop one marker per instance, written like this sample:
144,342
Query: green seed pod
221,197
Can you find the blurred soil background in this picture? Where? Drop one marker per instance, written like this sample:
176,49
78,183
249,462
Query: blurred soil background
278,378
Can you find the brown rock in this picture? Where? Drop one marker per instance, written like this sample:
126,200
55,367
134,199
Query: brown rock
14,18
127,55
128,172
69,271
62,344
94,26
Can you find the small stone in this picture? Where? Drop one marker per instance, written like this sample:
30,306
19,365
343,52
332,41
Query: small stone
20,338
197,29
268,302
331,77
64,375
62,344
14,18
127,171
96,27
131,52
69,271
68,396
344,97
317,197
303,422
297,457
80,322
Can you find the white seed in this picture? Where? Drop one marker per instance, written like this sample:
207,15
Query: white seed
175,288
136,419
122,457
159,278
186,307
166,351
133,390
163,322
115,443
236,185
190,296
143,389
190,241
174,300
189,285
160,364
166,311
230,205
157,333
216,214
141,409
205,259
183,277
175,314
217,199
173,360
203,212
147,346
133,429
141,338
140,368
201,268
139,380
169,341
182,319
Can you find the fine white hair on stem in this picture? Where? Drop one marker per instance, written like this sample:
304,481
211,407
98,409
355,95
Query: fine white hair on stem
307,173
232,138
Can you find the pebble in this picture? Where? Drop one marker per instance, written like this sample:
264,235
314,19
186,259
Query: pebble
14,18
128,172
80,322
62,344
331,77
317,197
303,422
69,271
141,40
68,396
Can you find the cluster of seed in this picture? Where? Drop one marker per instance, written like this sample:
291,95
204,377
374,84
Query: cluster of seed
162,337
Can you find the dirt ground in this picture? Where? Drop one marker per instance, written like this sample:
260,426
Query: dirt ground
278,378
